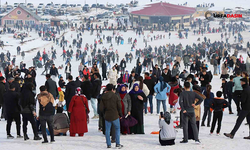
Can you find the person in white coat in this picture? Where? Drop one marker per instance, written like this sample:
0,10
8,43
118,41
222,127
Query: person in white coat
113,76
142,86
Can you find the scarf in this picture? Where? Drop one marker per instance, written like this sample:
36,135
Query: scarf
148,78
120,90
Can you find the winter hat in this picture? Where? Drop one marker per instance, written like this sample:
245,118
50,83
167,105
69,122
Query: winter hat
167,117
59,89
78,91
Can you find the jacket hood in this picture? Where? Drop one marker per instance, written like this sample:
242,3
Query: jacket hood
108,95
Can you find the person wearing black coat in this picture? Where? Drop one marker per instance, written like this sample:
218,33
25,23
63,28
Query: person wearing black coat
97,83
53,71
156,71
12,110
245,112
78,82
229,93
123,66
61,82
204,79
139,68
166,74
193,67
51,86
27,109
150,84
70,90
86,87
104,71
132,78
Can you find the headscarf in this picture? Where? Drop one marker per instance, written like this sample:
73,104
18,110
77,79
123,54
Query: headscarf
133,90
167,117
78,91
120,90
163,83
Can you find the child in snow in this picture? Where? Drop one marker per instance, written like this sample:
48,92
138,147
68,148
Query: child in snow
217,105
167,133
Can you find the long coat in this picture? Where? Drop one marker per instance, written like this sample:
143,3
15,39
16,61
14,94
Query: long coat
113,77
127,103
137,107
78,117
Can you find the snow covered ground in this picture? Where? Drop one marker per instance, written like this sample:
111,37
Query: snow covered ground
96,140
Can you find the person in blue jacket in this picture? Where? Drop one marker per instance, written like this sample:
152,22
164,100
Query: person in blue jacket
161,88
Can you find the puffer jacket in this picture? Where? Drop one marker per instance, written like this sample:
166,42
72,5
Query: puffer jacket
60,121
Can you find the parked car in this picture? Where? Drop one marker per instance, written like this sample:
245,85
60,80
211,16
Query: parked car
79,5
16,4
93,6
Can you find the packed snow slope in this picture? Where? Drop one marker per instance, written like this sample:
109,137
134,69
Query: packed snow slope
96,140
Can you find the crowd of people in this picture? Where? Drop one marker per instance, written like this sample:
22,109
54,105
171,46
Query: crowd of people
121,104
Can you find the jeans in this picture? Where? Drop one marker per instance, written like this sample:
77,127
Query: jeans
29,117
215,69
49,121
94,105
159,104
150,98
242,115
116,124
219,69
217,116
207,112
17,118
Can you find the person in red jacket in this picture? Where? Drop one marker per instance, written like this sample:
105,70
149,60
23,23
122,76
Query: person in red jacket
173,98
78,116
125,77
86,72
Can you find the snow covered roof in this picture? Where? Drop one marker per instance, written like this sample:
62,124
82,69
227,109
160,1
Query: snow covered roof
164,9
216,9
27,10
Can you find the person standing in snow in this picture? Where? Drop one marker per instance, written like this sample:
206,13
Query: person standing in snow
111,107
46,113
187,103
245,112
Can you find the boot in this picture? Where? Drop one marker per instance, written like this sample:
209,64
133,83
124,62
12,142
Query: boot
25,136
229,135
202,124
36,138
247,138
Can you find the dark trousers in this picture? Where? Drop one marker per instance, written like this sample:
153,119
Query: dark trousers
230,102
242,115
49,121
189,116
29,117
207,112
166,142
10,117
236,97
217,115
